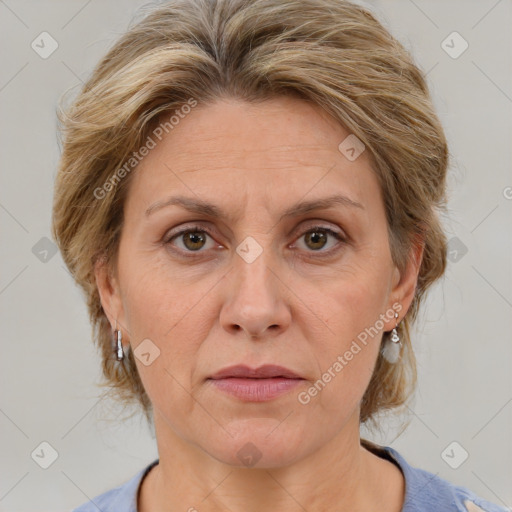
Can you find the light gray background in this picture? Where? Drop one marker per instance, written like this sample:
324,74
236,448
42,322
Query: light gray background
49,366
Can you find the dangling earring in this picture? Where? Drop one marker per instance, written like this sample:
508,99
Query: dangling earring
119,346
391,350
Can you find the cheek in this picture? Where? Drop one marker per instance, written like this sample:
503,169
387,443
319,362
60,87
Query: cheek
347,355
167,317
154,299
353,300
352,305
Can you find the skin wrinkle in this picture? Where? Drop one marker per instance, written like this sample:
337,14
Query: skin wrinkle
166,74
221,309
204,208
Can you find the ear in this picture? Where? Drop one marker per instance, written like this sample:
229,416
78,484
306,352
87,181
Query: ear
110,295
404,284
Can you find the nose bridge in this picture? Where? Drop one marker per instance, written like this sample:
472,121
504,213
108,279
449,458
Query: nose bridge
254,301
253,262
254,253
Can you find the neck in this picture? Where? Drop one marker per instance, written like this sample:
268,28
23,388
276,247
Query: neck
341,473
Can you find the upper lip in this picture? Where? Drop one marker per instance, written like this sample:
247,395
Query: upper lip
266,371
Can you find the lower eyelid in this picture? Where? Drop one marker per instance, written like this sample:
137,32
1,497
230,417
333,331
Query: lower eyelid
340,237
197,229
169,239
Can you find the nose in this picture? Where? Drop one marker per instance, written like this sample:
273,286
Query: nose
256,303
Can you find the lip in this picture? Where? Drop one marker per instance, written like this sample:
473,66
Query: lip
255,384
263,372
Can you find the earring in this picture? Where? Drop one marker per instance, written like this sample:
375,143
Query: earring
119,346
391,350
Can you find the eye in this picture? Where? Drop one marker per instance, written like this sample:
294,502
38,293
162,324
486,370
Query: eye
192,239
195,239
317,238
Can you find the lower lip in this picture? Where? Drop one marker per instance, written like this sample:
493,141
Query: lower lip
256,390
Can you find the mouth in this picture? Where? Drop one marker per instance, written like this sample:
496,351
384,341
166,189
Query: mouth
255,385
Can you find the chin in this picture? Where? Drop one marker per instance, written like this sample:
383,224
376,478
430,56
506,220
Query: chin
258,443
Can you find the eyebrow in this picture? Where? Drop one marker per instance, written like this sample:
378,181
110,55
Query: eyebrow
202,207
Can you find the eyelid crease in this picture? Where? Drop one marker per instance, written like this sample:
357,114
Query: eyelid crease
199,227
339,235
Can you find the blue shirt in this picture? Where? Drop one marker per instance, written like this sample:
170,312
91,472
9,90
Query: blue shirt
424,491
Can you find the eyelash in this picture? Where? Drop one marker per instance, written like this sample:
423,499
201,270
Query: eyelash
201,229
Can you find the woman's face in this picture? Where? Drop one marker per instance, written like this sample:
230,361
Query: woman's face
255,279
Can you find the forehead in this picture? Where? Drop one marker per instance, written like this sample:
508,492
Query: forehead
270,151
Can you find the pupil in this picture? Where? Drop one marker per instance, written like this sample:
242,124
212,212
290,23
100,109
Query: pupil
195,239
317,237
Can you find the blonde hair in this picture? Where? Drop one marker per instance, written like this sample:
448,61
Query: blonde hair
331,53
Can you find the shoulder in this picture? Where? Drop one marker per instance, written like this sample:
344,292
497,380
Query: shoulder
426,491
123,497
103,502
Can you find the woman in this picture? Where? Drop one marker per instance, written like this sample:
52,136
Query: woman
249,195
